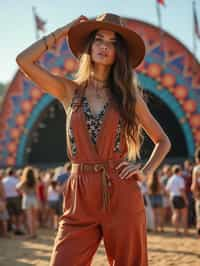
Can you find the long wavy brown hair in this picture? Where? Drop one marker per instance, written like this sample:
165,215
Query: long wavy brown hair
124,88
28,177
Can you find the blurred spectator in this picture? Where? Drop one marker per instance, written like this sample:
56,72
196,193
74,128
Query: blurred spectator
29,201
148,208
53,204
156,191
176,188
61,180
187,175
195,187
3,209
13,200
42,199
166,174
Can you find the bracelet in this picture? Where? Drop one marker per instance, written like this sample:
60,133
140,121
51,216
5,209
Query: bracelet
45,42
54,36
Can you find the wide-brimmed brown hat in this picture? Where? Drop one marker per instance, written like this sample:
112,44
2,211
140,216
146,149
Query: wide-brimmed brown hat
79,33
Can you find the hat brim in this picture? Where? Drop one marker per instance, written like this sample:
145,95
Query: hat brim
79,33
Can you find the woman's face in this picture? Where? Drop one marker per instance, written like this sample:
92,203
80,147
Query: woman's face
103,49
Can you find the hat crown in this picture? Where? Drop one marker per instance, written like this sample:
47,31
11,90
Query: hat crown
111,18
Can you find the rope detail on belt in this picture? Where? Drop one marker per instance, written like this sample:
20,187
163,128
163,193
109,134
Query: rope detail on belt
105,185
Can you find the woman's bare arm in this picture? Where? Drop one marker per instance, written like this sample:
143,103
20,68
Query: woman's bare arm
156,134
60,87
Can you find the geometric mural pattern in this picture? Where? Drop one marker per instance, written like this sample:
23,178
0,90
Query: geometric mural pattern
172,74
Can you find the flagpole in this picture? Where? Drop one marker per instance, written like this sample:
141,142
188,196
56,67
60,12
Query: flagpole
194,33
194,37
158,14
36,30
161,34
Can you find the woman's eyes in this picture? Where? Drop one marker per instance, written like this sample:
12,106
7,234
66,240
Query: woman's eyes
98,40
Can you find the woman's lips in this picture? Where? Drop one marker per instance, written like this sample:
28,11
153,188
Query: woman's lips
103,54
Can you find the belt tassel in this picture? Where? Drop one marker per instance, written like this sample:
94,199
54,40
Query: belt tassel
105,186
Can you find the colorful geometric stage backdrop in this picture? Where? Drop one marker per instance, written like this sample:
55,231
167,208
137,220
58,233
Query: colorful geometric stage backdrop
178,86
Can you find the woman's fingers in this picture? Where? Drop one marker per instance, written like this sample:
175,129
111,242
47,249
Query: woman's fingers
121,164
129,170
126,170
79,20
82,18
129,173
132,173
125,173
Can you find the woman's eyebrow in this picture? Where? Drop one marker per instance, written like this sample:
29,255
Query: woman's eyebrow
100,35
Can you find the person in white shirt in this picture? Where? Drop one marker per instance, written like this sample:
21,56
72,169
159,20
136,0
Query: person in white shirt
176,189
13,200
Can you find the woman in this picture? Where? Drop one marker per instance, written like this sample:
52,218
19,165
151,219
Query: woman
27,186
156,191
105,114
41,192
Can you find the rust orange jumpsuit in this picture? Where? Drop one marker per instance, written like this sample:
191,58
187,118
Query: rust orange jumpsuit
97,203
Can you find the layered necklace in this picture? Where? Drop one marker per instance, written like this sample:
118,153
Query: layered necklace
101,87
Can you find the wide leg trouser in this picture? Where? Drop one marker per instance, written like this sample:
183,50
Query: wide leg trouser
84,224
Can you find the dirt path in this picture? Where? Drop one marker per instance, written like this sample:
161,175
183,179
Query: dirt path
164,250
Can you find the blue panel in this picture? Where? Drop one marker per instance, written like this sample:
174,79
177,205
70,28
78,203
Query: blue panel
42,104
16,100
178,63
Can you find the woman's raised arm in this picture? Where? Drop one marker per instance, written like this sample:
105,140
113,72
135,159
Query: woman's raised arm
60,87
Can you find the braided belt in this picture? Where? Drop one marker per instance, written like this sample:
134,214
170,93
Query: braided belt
106,182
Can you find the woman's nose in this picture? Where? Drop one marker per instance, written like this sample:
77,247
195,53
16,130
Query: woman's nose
104,46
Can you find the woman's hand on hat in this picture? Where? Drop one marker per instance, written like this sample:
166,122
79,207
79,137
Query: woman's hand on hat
129,170
78,20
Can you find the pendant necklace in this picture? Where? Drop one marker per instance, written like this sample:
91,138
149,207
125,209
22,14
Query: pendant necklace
100,86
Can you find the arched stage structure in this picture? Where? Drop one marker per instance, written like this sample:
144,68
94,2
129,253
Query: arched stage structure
32,122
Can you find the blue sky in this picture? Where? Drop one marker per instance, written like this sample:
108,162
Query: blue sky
17,25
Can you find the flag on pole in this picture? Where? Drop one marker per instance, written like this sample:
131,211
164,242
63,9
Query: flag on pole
158,6
39,23
161,2
196,34
162,35
196,23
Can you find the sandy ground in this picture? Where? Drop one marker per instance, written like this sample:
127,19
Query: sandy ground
164,250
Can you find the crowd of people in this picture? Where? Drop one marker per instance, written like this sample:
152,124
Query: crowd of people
31,198
172,196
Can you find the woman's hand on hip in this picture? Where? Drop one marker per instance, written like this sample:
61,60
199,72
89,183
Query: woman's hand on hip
129,170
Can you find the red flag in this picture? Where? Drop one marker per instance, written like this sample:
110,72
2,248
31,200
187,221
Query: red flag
196,23
40,23
161,2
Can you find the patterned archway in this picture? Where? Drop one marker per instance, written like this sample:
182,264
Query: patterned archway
178,86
